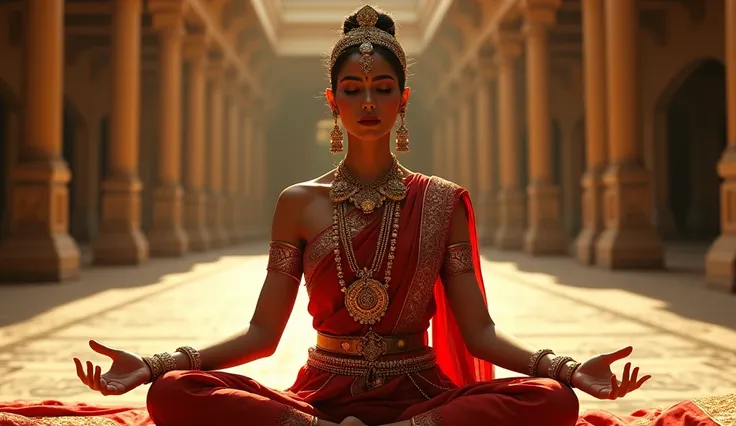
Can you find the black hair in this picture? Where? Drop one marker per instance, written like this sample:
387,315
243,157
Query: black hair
385,23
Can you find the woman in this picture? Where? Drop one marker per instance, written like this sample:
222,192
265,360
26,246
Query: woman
383,251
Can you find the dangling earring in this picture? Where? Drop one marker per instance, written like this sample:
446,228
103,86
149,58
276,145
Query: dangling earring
335,137
402,135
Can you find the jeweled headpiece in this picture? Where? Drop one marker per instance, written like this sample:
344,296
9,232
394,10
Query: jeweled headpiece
365,36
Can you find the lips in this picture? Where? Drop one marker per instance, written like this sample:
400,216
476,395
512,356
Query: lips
369,121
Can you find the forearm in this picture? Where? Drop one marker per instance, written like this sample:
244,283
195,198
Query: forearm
249,345
508,352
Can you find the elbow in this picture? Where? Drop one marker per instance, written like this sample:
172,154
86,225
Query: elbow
479,344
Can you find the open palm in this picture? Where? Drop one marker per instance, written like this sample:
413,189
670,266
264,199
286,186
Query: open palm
127,372
595,377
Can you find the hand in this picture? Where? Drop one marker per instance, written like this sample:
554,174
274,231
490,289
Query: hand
595,377
127,372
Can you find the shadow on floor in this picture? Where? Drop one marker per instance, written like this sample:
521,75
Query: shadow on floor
680,286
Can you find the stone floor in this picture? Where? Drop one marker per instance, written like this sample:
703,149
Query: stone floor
683,334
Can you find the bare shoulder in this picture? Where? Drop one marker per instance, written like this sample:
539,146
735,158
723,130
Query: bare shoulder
302,193
298,206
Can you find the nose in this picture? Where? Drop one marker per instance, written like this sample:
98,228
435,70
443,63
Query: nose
368,104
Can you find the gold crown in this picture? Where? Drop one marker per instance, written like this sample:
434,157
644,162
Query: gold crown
365,36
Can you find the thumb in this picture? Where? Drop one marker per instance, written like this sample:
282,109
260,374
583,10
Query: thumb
619,354
102,349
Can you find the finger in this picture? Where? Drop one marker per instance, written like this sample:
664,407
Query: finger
625,381
619,354
614,388
641,381
103,386
96,381
633,379
90,375
80,371
102,349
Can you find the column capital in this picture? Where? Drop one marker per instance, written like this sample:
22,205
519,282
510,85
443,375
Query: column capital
540,12
487,68
507,43
196,46
167,14
216,68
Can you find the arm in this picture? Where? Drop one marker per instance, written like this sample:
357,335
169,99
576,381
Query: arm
483,339
275,303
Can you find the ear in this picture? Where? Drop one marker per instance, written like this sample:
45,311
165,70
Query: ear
405,98
330,96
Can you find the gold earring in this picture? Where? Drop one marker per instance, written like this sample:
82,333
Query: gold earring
335,137
402,135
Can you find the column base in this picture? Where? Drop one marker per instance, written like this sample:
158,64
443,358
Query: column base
218,237
167,237
585,243
38,247
120,240
630,240
486,219
195,220
511,216
545,235
720,264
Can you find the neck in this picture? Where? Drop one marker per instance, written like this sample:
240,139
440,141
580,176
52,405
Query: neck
368,161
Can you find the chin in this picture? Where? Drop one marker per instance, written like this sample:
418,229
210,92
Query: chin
370,134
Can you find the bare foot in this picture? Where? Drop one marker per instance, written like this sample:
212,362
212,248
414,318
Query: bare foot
352,421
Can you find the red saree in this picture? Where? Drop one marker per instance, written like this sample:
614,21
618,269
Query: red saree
458,391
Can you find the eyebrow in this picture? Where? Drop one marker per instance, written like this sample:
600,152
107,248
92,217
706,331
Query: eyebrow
378,78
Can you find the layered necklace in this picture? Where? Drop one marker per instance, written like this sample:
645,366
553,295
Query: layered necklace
366,298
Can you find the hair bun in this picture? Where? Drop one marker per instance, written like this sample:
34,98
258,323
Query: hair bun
385,23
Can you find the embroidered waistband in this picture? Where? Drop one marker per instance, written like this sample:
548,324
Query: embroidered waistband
378,369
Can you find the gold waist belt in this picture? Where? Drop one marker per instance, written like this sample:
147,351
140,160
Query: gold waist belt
371,346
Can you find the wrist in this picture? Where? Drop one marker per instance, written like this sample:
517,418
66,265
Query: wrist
182,361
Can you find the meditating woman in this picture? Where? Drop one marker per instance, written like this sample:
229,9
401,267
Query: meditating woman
384,251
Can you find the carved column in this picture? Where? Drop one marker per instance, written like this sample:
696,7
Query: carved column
218,234
167,236
629,240
484,154
511,199
38,246
438,140
232,164
451,137
720,262
120,240
195,199
464,161
246,161
544,234
259,209
594,64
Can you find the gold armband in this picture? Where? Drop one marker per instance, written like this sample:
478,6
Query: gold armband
286,259
458,260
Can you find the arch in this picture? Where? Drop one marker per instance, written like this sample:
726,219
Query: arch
689,137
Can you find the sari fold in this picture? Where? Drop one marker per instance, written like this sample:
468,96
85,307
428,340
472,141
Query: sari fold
456,390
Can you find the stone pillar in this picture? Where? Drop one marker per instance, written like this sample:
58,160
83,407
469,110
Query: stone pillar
259,179
720,262
511,199
218,235
438,141
120,240
167,236
246,159
232,165
629,239
450,145
594,64
38,246
195,198
464,161
545,233
484,154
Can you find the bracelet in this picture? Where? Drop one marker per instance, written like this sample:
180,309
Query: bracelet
534,361
195,361
571,370
554,370
314,422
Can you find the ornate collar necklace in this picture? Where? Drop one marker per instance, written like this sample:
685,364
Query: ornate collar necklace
367,198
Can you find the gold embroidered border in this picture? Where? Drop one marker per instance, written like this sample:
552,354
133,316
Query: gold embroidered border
322,244
721,409
285,258
437,209
18,420
290,416
432,417
458,260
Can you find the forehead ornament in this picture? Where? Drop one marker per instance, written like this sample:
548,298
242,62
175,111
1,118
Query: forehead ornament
366,36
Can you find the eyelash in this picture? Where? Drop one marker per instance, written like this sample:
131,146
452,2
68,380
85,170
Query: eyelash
353,92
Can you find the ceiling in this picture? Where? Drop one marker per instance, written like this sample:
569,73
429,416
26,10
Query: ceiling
310,27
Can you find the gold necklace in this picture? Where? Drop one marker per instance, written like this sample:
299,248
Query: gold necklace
367,198
366,299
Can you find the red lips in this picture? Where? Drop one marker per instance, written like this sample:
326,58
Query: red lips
369,120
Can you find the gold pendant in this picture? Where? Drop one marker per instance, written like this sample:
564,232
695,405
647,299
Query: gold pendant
366,300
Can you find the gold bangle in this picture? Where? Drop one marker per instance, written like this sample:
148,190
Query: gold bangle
314,422
554,369
534,361
570,372
195,361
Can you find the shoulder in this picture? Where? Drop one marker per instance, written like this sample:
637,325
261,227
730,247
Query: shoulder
302,193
